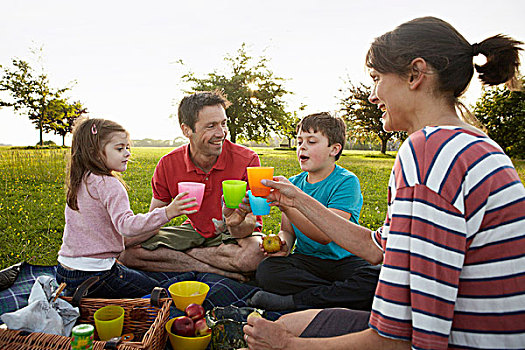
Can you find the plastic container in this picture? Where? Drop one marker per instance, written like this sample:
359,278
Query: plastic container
188,292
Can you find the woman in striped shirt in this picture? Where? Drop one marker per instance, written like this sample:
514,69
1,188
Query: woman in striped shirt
453,242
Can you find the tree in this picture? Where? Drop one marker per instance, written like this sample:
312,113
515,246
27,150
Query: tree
288,128
502,112
363,117
63,115
257,107
30,93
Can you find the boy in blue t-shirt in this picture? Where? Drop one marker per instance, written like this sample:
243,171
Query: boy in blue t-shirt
319,273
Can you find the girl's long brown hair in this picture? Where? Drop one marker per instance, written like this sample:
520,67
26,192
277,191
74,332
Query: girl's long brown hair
90,136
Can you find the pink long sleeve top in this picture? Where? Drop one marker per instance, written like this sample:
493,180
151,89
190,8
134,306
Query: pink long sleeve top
104,218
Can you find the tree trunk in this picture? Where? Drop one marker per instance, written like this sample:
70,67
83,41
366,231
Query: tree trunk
63,140
233,137
41,143
383,145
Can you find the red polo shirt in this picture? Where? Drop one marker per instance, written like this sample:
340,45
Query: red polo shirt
177,166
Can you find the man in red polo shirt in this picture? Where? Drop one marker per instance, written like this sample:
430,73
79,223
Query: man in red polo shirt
215,239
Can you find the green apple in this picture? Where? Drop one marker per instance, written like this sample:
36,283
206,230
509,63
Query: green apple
272,243
253,314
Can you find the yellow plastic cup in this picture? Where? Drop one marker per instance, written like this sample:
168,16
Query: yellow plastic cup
109,321
255,175
233,191
187,343
188,292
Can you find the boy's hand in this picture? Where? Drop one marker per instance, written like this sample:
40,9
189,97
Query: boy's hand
178,206
283,252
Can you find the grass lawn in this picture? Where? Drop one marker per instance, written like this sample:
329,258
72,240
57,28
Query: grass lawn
32,197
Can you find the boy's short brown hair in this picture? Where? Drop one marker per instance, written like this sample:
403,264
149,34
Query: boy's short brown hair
333,128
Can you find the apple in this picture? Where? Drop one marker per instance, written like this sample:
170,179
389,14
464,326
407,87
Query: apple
253,314
183,326
272,243
195,311
201,328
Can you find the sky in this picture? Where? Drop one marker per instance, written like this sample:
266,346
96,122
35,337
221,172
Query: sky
122,54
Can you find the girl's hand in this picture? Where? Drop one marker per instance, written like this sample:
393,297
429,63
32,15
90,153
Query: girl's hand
284,192
178,206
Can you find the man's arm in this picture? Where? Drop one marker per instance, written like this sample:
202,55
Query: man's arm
240,224
131,241
240,221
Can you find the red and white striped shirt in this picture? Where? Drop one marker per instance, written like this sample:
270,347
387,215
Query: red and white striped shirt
454,245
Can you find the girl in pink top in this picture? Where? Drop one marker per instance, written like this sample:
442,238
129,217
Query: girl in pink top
98,215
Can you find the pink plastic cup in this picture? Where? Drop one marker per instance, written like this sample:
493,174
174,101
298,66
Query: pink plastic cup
195,189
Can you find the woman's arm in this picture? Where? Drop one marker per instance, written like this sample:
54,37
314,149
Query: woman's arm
264,334
308,228
348,235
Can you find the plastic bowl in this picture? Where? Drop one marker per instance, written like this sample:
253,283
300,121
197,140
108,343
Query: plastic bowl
186,343
188,292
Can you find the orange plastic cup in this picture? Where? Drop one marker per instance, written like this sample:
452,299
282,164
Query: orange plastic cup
255,175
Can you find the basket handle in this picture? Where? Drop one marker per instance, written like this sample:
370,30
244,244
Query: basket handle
113,343
156,294
82,290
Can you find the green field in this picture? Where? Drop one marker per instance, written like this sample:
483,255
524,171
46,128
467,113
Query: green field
32,197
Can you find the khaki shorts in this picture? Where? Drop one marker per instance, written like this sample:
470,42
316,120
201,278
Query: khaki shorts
185,237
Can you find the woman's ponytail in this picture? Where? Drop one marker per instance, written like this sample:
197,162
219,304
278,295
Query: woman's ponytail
503,60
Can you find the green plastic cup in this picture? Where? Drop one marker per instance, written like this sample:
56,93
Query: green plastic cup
233,191
109,321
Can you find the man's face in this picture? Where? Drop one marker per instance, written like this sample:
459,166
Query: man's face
210,132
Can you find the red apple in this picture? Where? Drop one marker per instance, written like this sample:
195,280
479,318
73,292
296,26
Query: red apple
183,326
272,243
201,328
195,311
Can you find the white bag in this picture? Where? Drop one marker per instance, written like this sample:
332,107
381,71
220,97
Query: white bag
42,314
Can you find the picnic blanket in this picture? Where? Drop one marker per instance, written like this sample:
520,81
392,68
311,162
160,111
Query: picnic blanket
16,296
223,291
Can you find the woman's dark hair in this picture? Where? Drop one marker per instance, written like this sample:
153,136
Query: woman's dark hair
90,136
448,52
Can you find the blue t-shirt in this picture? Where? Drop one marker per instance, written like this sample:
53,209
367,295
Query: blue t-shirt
340,190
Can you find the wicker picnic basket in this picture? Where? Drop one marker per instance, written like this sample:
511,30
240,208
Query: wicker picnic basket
141,318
